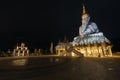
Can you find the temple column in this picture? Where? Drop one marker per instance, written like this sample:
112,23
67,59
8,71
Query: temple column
100,51
18,53
89,52
85,54
85,51
110,52
104,49
96,53
23,53
59,52
27,52
92,49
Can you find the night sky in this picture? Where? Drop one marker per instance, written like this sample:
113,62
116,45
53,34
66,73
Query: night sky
39,23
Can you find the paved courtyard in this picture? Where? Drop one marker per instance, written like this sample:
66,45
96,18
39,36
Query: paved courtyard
54,68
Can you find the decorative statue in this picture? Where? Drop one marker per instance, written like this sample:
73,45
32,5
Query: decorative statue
88,32
87,27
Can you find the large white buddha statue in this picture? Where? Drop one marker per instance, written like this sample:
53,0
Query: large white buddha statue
87,27
88,32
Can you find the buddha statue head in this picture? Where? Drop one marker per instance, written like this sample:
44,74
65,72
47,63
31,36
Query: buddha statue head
85,16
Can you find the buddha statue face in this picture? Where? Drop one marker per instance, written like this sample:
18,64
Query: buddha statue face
85,18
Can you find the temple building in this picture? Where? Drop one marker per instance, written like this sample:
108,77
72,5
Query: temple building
90,42
21,50
65,49
60,49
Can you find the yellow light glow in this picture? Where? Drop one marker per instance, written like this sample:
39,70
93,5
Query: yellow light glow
19,62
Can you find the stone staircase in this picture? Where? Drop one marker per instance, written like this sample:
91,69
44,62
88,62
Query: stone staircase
70,49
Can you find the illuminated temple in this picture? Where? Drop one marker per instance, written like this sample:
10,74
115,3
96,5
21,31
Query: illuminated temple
21,50
90,42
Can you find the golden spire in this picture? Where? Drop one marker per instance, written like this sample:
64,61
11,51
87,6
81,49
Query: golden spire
84,11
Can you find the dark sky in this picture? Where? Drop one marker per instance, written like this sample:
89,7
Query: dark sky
39,23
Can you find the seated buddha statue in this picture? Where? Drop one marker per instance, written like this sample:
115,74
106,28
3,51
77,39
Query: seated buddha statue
87,27
88,32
